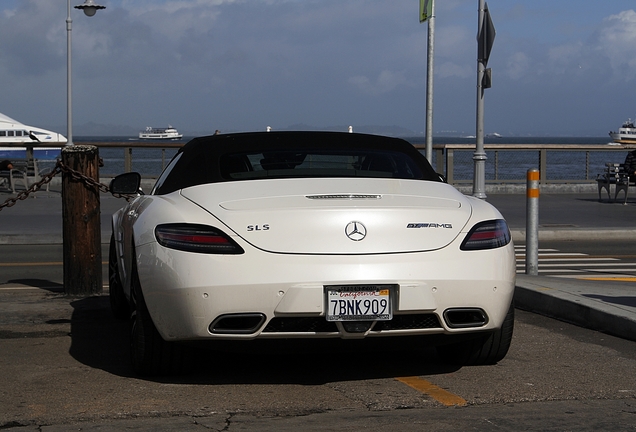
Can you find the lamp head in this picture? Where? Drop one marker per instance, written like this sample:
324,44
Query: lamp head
90,7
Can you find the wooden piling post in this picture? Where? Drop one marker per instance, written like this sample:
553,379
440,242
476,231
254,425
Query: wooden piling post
81,225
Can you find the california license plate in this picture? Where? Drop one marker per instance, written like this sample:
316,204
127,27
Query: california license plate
359,303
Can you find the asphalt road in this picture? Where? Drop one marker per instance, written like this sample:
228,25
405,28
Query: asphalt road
37,265
65,367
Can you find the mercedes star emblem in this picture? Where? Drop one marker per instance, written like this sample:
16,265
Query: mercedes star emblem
355,231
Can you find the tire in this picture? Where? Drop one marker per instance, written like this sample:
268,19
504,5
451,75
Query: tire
151,355
487,349
119,305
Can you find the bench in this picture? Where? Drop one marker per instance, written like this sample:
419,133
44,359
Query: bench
22,173
614,174
18,174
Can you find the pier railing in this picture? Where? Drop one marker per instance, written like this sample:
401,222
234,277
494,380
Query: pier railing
506,163
155,162
509,163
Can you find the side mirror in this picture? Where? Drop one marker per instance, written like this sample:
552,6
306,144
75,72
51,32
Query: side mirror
442,177
127,183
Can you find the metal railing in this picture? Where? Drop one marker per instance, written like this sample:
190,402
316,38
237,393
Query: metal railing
506,163
509,163
161,153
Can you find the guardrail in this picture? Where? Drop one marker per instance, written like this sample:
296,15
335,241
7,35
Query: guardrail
166,150
509,163
506,163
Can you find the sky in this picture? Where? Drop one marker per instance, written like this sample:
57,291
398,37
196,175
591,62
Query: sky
559,67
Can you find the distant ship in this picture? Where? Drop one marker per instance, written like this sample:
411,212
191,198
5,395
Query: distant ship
626,133
14,132
168,133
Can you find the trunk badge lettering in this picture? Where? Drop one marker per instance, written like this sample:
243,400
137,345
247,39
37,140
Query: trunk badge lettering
429,225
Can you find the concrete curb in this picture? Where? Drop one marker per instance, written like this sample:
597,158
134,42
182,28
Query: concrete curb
569,306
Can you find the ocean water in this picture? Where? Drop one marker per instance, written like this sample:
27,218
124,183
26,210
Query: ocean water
500,165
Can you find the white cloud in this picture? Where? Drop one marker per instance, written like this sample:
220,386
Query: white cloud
517,66
384,83
563,59
245,62
449,69
617,41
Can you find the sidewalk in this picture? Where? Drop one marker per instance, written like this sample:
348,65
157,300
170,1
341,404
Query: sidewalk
607,306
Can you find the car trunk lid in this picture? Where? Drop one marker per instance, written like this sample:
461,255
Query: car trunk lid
337,216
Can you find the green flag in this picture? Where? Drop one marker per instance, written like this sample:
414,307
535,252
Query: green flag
426,9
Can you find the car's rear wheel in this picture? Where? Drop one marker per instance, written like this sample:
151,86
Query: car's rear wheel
118,302
484,350
150,354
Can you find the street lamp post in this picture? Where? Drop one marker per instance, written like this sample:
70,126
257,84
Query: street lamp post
90,8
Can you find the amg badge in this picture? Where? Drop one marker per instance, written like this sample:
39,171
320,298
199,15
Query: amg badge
429,225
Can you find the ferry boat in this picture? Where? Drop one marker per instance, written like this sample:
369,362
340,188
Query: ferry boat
168,133
14,132
626,133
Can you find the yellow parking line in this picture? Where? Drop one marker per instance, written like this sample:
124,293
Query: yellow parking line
439,394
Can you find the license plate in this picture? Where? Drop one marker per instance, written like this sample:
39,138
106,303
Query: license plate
359,303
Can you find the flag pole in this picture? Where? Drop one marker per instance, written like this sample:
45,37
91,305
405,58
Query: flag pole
429,83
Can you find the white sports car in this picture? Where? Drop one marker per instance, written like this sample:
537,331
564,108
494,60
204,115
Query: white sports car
308,235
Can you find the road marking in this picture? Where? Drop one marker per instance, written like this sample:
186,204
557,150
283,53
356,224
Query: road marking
552,262
439,394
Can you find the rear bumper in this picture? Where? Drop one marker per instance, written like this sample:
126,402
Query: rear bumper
187,292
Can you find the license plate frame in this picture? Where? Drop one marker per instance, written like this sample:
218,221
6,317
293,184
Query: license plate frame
372,302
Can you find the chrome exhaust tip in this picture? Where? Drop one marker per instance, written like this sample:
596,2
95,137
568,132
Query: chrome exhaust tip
465,317
245,323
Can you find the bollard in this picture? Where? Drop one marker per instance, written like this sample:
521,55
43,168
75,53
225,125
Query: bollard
532,222
81,225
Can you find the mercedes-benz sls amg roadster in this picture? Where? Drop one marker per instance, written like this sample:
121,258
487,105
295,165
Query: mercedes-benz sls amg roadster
308,235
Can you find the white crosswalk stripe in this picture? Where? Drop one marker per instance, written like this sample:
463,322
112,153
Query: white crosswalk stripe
576,265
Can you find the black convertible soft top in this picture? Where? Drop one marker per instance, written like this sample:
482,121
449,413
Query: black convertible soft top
255,155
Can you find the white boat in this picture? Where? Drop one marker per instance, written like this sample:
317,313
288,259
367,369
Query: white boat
168,133
14,132
626,133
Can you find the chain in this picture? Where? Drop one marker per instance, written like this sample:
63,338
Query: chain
75,175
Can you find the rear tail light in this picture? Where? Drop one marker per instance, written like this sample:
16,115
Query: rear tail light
487,235
196,238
